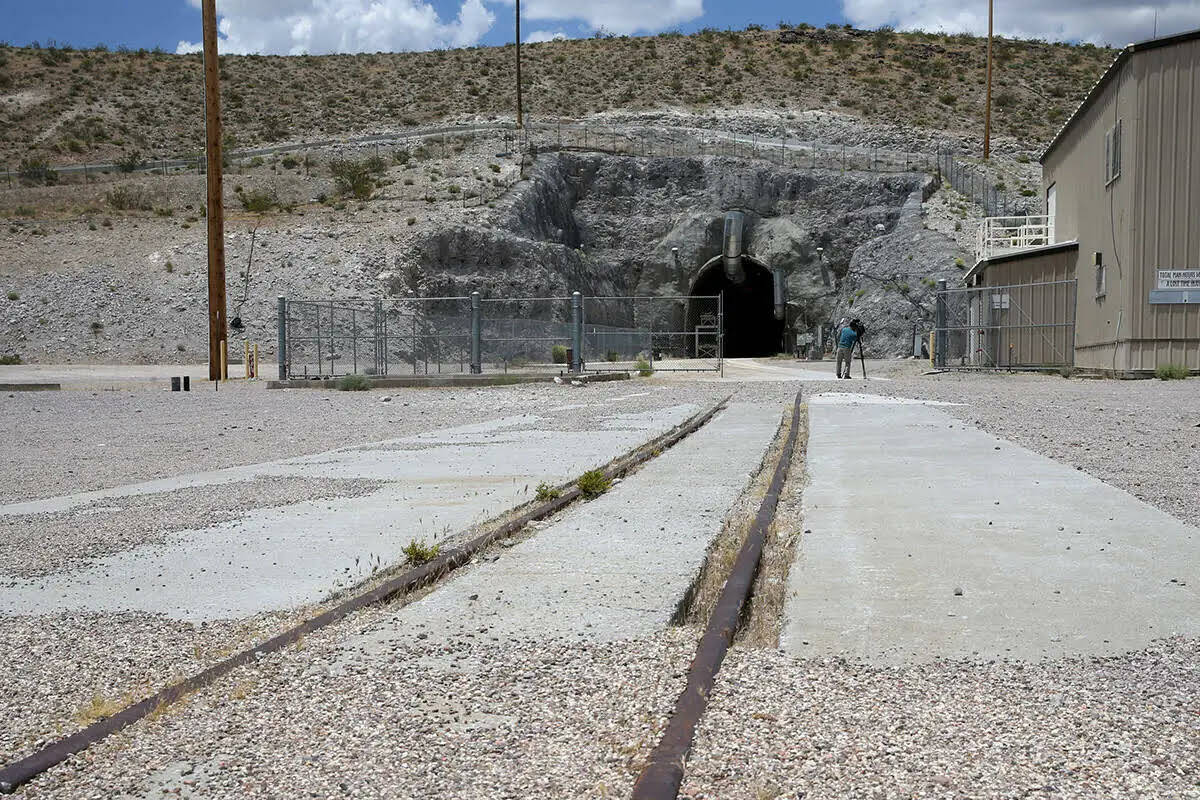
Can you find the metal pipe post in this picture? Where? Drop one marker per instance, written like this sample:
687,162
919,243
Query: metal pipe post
476,334
940,326
281,352
576,332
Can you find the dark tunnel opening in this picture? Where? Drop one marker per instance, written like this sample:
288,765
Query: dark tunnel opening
751,329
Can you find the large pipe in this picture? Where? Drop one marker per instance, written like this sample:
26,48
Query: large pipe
735,221
780,293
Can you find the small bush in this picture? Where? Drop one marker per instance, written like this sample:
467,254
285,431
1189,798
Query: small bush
558,354
14,296
37,172
11,361
1066,372
643,367
130,162
612,355
353,383
593,483
129,198
418,553
1171,372
352,178
412,221
547,492
258,201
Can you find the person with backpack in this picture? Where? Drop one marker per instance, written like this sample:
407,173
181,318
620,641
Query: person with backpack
847,338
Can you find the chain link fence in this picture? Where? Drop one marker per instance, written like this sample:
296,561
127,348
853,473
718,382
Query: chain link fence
447,335
968,181
1020,326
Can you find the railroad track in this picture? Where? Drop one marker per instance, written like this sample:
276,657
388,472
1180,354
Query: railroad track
22,771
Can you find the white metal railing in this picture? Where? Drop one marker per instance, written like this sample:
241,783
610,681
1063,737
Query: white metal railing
998,235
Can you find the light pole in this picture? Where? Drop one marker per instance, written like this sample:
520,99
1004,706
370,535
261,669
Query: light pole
520,121
987,113
217,332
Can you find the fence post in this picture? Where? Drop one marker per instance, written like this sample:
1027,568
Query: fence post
576,332
380,340
281,353
476,334
939,342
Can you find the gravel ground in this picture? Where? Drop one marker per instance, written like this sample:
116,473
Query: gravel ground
469,719
63,669
572,720
778,727
42,544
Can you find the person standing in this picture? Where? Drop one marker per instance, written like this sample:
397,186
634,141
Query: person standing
847,338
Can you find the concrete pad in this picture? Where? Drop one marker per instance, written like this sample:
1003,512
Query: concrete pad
753,369
907,506
438,482
608,569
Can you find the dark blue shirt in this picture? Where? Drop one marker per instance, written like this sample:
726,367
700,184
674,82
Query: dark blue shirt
848,337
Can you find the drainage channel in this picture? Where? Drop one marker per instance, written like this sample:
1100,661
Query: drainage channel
20,772
662,776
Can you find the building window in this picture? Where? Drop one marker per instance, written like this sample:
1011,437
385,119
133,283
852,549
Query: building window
1112,153
1101,282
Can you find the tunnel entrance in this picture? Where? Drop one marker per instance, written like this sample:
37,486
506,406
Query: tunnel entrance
751,329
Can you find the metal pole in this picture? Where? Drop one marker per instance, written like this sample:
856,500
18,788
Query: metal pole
939,345
576,332
520,119
721,332
380,342
476,334
216,220
281,351
987,113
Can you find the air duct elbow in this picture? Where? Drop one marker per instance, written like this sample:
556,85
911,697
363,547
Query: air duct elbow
732,250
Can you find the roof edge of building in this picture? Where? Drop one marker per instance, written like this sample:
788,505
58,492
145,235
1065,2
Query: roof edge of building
1017,255
1103,81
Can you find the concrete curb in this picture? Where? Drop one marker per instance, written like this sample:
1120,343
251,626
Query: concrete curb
461,379
30,387
16,774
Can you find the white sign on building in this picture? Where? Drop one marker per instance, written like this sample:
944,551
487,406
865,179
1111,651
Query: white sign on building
1179,279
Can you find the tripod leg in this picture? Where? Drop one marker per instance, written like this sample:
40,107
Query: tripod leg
862,359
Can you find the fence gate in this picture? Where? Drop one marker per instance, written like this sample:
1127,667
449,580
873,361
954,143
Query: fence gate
1021,326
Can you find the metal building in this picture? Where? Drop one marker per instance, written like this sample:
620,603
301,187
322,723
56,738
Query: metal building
1121,182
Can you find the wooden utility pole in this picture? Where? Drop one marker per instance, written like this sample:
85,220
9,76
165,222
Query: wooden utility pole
520,122
217,330
987,113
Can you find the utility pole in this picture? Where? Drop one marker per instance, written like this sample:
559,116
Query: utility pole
520,122
217,330
987,113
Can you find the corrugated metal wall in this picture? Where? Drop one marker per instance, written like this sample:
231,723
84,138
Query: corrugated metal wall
1035,329
1167,234
1097,213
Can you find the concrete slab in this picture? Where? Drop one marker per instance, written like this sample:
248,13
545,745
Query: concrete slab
907,507
437,483
608,569
754,369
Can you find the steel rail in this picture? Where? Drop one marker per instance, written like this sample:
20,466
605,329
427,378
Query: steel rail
663,773
22,771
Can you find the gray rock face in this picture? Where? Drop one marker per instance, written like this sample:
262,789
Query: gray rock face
647,226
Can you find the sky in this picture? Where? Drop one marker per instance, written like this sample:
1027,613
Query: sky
327,26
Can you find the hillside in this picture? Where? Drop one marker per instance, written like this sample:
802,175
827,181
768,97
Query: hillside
71,106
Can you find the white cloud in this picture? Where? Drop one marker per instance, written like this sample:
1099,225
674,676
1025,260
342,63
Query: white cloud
1097,21
343,26
545,36
615,16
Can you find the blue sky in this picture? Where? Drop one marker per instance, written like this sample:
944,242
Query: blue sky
283,26
164,23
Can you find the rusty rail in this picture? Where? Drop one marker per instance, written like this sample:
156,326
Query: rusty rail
663,773
14,775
